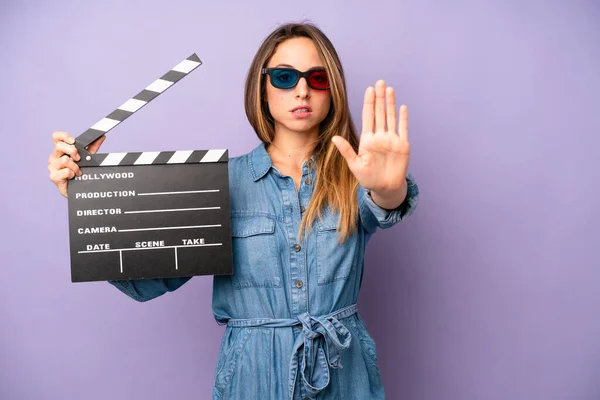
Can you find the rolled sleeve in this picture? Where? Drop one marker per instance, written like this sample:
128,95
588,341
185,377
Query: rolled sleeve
373,216
143,290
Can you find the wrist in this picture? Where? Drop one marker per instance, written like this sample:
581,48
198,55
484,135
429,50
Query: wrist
390,199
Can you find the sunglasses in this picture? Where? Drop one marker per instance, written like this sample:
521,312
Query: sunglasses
287,78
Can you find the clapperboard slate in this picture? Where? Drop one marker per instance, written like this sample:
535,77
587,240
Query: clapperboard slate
149,214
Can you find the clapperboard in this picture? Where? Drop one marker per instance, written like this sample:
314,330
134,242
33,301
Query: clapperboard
149,214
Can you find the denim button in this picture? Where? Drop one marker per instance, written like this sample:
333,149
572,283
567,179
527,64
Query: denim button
302,209
307,181
297,247
299,284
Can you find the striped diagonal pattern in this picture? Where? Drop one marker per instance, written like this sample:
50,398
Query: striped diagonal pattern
163,157
140,100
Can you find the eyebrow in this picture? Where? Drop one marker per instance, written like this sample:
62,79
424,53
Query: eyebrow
291,66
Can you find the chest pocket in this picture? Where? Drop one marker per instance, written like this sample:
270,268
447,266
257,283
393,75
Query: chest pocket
335,261
255,252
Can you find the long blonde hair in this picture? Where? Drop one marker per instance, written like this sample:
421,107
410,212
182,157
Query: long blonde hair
335,185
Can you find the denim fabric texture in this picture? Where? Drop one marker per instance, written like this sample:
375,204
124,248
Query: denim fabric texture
293,330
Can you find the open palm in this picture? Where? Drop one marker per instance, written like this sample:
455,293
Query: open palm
382,161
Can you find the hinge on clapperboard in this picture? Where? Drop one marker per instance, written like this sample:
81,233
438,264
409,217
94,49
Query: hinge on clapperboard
130,107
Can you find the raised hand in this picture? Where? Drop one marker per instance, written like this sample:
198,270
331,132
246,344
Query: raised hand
381,164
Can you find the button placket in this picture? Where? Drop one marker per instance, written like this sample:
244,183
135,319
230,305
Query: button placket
292,199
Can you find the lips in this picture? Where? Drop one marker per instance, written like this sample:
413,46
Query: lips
301,109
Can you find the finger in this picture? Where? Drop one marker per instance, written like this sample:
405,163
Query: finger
65,162
62,137
403,124
70,164
345,149
61,176
368,110
95,145
390,100
62,148
380,106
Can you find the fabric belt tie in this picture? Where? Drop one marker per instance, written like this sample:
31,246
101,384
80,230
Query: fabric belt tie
319,347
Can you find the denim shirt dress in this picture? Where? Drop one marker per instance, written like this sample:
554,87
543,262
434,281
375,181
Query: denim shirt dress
292,326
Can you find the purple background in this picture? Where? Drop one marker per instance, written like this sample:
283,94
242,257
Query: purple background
490,291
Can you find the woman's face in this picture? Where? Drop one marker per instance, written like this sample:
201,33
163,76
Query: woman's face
301,54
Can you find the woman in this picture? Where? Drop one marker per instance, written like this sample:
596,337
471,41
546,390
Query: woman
304,203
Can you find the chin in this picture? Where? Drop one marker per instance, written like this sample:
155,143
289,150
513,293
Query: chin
305,125
299,126
304,129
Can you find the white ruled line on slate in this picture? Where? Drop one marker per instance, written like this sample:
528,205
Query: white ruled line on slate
164,228
151,248
173,209
183,192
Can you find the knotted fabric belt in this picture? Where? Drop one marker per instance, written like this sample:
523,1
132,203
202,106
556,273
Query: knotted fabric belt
320,345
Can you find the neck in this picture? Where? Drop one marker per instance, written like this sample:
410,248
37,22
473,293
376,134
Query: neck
292,148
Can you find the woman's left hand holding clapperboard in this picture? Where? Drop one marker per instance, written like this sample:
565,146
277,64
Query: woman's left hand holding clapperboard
61,163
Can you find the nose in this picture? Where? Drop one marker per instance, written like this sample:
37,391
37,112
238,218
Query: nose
302,89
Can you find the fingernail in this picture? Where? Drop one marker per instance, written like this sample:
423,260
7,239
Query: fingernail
70,140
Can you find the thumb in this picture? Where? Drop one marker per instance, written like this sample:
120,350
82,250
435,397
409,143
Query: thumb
345,149
94,146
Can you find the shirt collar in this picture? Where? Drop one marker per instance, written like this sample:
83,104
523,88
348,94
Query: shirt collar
260,162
